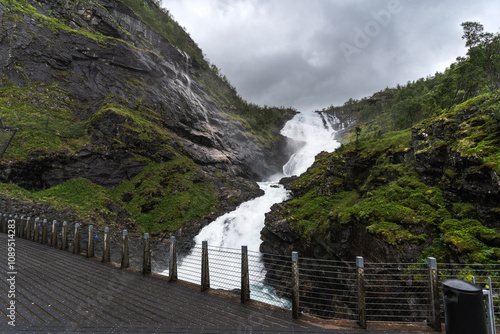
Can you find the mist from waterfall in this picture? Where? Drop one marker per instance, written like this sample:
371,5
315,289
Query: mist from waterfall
311,133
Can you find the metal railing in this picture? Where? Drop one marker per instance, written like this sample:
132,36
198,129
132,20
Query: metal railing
395,292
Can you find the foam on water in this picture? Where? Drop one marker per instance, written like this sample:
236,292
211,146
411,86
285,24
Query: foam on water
314,133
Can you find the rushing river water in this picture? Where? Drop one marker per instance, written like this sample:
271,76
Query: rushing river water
313,133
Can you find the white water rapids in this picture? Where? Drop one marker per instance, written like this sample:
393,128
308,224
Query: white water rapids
242,226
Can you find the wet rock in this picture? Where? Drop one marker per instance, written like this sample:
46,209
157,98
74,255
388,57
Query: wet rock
137,67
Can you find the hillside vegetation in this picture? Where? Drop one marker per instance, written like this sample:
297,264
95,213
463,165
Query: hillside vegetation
418,174
121,115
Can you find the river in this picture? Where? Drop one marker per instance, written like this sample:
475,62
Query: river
313,133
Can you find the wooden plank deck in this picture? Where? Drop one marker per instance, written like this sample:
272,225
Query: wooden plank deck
59,292
56,291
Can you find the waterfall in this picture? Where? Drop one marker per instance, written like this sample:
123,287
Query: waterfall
314,133
191,97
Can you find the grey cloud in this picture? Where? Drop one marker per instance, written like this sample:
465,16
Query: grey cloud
289,52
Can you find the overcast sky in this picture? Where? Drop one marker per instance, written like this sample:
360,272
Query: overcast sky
310,54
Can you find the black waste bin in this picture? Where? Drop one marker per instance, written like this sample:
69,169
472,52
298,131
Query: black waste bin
464,310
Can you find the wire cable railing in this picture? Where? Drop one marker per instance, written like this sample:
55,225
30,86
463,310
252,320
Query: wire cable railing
396,292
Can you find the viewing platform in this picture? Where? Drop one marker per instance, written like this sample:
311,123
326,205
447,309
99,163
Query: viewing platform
60,292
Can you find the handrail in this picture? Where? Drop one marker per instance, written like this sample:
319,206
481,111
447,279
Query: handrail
362,291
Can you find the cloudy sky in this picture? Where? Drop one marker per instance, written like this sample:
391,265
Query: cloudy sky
310,54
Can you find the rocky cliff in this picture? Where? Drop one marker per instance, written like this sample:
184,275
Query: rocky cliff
433,190
399,197
99,94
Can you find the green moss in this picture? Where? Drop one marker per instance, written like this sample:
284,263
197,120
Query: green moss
344,200
472,103
313,215
464,210
314,176
450,173
468,236
166,195
406,200
394,234
394,140
10,190
81,195
22,7
45,117
479,133
139,128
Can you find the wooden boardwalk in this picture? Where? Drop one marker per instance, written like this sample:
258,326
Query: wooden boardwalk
59,292
56,291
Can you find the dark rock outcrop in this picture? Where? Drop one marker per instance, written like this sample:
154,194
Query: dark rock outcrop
451,210
462,177
130,64
434,155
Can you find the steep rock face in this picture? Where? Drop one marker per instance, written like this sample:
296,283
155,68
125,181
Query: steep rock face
432,191
341,242
131,65
51,170
473,182
441,161
389,199
426,195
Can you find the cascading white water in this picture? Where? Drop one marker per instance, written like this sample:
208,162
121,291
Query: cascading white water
316,132
192,97
242,226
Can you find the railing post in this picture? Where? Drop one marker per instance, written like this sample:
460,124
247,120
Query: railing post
36,234
64,236
105,252
7,222
76,246
44,232
53,235
21,227
245,277
295,286
434,318
90,244
172,263
205,272
490,308
125,260
17,225
146,262
28,228
360,270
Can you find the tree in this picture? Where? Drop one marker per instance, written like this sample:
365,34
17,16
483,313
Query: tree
483,54
473,32
492,62
358,132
